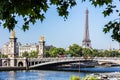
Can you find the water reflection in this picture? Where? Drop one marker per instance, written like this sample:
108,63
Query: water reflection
102,69
12,75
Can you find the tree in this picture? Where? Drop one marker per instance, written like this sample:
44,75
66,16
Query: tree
46,53
25,54
87,53
75,50
3,56
54,52
33,54
95,52
106,53
47,50
32,10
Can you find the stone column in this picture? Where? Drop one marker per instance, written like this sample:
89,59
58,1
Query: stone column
41,47
12,49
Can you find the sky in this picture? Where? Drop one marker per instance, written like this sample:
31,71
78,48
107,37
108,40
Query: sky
62,33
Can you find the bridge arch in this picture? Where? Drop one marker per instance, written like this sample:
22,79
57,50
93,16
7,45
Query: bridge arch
52,63
5,63
20,64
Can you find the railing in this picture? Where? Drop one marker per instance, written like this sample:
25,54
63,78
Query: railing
68,59
55,59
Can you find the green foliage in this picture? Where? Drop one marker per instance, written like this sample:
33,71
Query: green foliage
3,56
63,5
33,54
115,28
90,78
25,54
54,52
87,53
74,78
78,51
107,53
95,52
30,11
75,50
46,53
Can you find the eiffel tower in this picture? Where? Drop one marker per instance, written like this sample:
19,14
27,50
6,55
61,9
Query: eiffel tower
86,43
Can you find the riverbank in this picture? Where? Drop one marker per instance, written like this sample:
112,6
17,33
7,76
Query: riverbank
107,76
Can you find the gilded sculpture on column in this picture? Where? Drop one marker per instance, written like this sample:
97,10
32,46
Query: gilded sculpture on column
13,34
42,38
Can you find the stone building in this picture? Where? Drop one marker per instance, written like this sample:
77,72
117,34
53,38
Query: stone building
6,48
27,48
14,49
21,48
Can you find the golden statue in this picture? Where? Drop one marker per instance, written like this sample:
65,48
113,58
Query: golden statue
13,34
42,38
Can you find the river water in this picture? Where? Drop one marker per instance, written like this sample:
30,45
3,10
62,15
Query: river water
51,75
38,75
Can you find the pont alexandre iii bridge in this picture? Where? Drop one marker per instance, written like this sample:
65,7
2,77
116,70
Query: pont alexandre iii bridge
45,62
36,63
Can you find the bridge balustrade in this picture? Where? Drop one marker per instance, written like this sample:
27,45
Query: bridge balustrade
51,60
34,61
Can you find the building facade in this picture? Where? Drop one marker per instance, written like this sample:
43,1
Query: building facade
6,48
27,48
21,48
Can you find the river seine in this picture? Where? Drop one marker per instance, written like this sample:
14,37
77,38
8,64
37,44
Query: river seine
37,75
51,75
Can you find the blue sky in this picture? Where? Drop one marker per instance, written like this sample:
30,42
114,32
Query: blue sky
62,33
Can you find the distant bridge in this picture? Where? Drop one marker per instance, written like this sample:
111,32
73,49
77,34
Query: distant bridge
102,60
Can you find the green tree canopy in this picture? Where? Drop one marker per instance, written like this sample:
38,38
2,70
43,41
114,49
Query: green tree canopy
95,52
33,54
54,52
32,10
25,54
3,56
87,53
75,50
46,53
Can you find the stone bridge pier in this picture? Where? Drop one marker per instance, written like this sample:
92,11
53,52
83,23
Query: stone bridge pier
18,62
